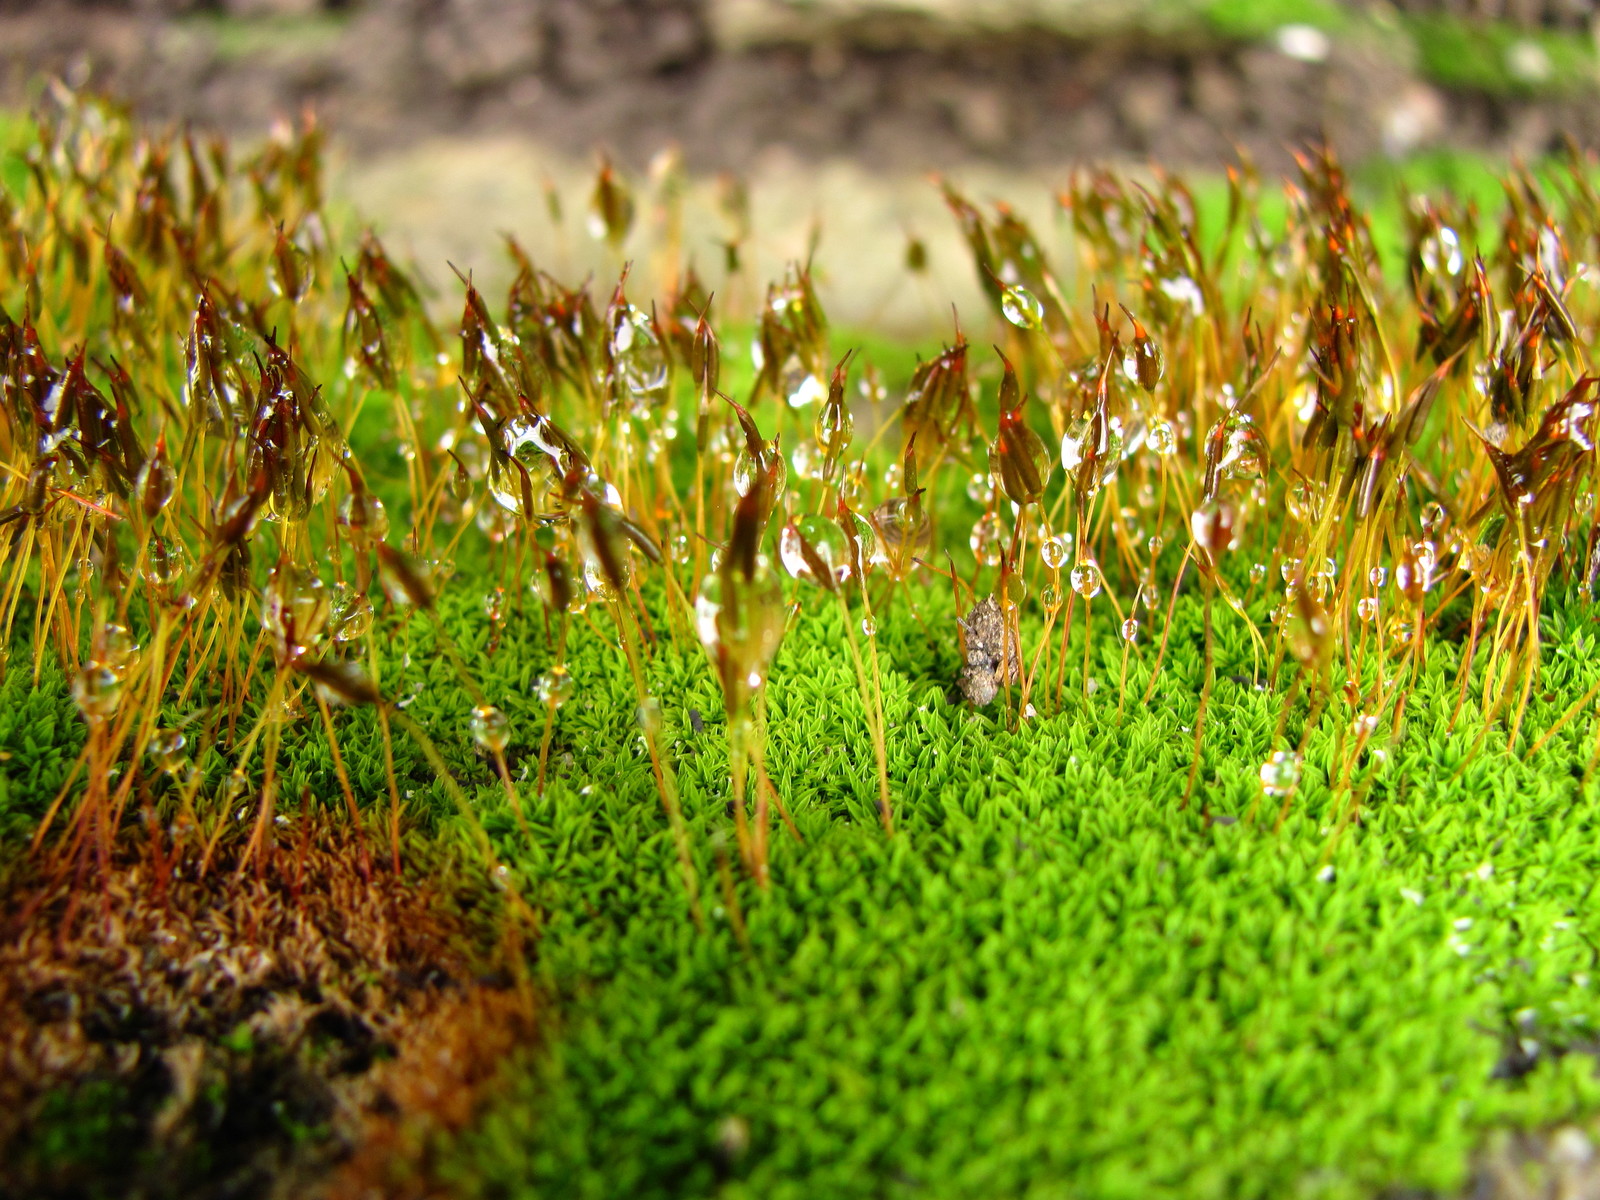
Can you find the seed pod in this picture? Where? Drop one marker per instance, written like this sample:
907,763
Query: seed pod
1148,363
705,366
556,582
1017,456
402,575
939,399
835,425
343,682
155,482
610,207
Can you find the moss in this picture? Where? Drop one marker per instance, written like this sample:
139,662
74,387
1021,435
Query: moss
1501,60
1247,20
236,39
41,735
1054,978
1090,960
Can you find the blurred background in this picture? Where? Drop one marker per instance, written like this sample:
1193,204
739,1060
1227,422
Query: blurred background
793,126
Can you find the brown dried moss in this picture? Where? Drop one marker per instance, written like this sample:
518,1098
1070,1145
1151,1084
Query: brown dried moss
171,1034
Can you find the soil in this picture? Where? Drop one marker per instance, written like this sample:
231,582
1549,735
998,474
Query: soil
173,1031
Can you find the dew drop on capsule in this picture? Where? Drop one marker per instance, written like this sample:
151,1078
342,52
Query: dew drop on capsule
1021,307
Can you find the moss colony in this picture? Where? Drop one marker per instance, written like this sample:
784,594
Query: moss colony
602,746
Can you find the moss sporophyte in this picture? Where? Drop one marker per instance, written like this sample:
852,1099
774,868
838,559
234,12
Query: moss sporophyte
1312,585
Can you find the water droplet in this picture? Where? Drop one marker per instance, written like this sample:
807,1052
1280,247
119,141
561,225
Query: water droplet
1161,437
1433,518
1213,525
1130,630
815,537
1441,250
555,687
1054,550
805,460
802,387
1021,307
166,749
640,362
490,728
598,584
1098,438
1243,453
748,469
294,611
869,626
1280,774
166,561
1185,291
349,614
834,427
97,689
531,481
1367,609
985,539
1086,579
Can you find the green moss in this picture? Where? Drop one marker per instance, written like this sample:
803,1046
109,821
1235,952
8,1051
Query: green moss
88,1128
41,735
236,39
1055,979
1248,20
1502,60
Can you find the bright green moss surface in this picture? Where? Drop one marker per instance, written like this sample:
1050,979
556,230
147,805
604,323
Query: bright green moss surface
1055,980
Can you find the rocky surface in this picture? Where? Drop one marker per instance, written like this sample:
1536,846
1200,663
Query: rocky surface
633,75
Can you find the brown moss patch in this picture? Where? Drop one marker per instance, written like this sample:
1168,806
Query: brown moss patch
163,1033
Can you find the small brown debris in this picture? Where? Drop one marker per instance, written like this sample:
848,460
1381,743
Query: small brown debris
991,652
